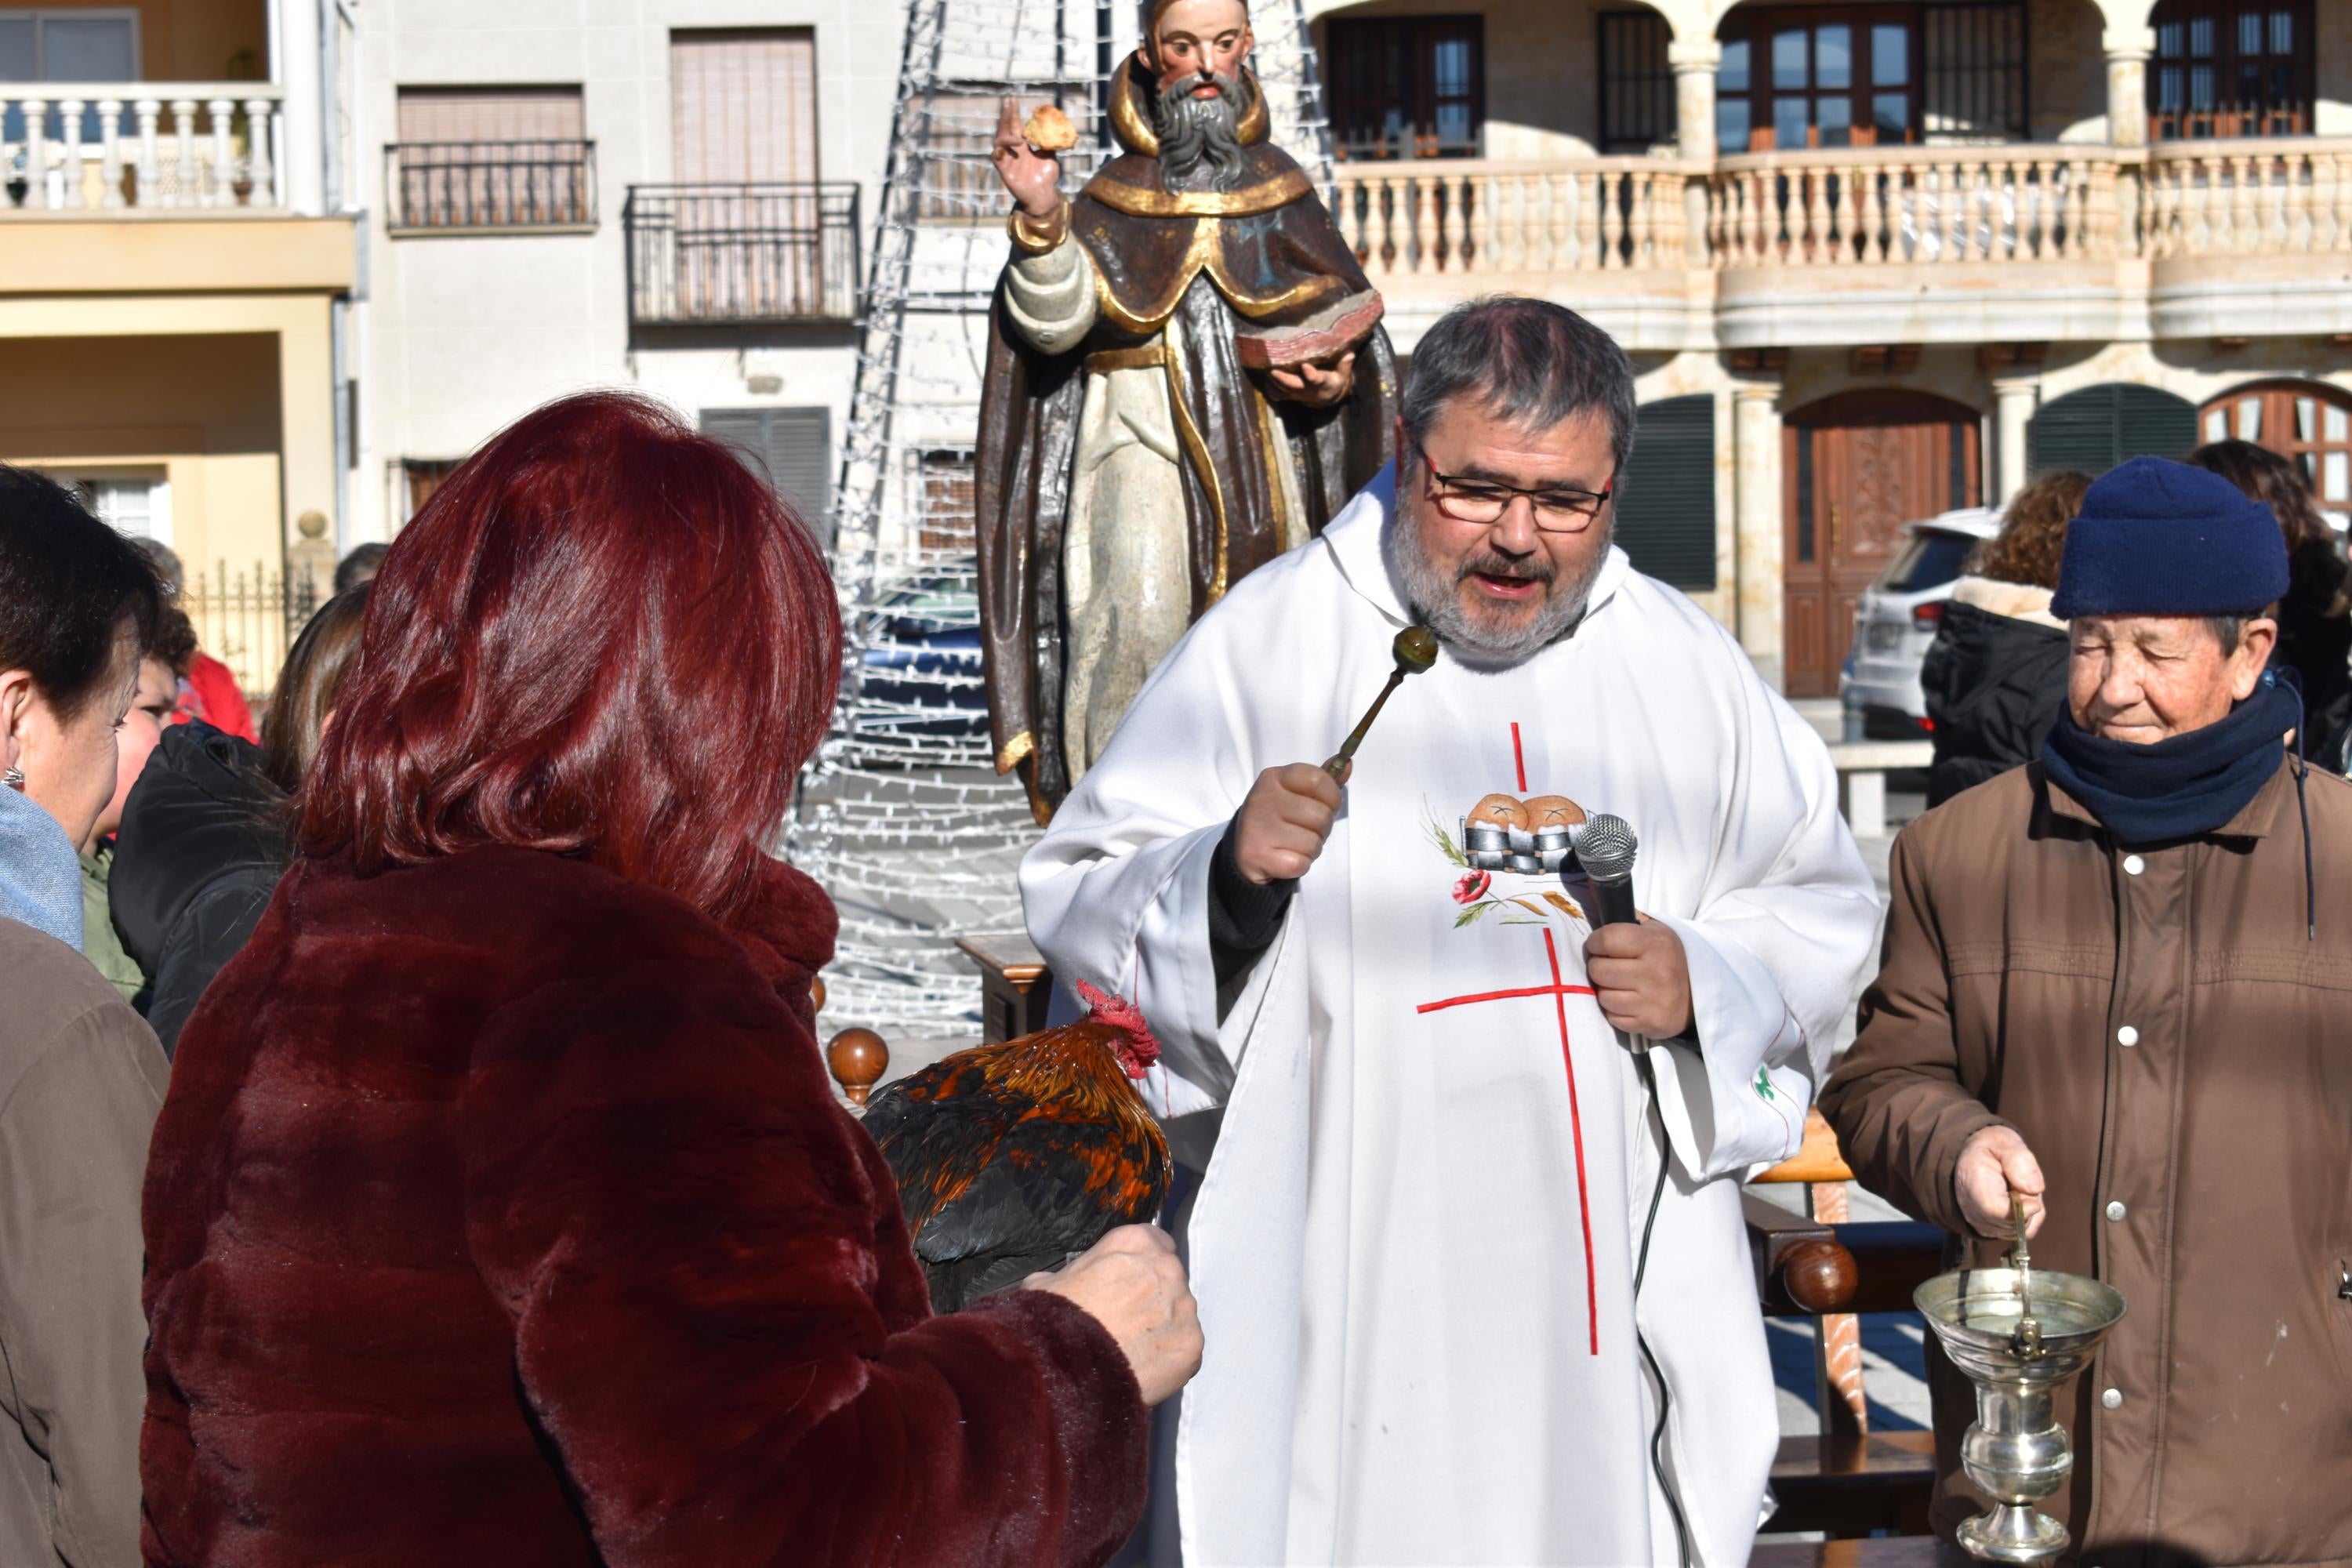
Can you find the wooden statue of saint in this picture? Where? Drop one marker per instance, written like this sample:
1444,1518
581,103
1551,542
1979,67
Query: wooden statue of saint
1186,376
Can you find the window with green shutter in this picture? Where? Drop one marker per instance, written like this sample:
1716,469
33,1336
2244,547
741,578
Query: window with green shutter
1666,495
791,448
2092,430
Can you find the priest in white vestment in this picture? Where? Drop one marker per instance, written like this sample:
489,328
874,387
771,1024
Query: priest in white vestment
1407,1075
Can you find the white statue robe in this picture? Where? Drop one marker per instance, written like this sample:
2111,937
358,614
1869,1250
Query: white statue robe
1414,1242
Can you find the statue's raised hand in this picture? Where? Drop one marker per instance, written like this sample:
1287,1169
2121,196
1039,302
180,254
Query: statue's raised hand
1034,178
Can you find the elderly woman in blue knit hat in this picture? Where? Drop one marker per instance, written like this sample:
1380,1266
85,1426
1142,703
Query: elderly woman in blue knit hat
2111,987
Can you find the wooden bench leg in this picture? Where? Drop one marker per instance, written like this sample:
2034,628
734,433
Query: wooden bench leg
1844,1405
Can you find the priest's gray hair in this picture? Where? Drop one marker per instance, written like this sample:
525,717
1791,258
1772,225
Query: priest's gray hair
1528,361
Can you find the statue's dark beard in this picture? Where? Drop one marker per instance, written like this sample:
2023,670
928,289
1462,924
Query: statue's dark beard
1199,138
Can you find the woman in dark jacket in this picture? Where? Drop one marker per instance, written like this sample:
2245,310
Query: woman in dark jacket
501,1210
2315,635
1995,676
207,830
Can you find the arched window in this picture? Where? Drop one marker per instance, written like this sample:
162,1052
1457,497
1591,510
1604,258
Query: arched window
2304,420
2230,67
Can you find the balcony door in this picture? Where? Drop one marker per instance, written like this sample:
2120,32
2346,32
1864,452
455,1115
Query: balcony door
743,150
1407,87
743,106
2231,68
490,158
1871,75
1855,469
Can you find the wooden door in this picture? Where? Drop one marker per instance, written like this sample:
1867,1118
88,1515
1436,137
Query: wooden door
1855,469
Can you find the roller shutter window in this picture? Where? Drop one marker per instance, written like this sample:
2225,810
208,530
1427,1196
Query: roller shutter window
491,114
742,105
791,448
491,157
2093,430
1666,504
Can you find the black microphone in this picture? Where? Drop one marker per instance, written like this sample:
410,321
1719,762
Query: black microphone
1605,851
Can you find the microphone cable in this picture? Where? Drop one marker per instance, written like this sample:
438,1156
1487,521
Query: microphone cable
1605,853
1641,1267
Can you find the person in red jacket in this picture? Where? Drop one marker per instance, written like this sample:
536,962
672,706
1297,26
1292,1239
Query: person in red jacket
501,1210
209,691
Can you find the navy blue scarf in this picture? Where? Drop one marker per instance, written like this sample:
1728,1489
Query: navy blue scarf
2179,787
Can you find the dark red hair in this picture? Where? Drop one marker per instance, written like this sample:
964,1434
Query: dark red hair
602,636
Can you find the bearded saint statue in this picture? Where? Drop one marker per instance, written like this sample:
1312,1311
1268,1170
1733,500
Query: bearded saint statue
1186,377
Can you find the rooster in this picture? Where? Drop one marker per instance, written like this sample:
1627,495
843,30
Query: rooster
1012,1157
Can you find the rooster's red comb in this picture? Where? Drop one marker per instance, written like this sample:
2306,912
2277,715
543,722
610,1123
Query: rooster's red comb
1120,1014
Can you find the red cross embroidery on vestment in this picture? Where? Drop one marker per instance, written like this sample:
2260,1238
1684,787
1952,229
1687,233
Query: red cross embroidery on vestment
1560,995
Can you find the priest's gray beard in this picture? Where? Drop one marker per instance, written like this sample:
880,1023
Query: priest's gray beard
1435,594
1199,138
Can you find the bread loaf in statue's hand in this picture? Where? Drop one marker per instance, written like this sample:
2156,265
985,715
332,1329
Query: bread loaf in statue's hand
1050,131
1012,1157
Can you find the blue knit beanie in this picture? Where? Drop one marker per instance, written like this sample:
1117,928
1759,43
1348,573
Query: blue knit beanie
2157,538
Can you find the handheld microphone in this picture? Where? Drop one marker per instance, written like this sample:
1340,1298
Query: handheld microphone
1605,851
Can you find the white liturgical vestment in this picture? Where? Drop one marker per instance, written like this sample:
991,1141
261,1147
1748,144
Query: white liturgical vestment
1427,1157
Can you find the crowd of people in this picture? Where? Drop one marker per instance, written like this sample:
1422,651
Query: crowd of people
418,1149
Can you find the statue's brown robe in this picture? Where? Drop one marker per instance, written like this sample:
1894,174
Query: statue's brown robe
1265,253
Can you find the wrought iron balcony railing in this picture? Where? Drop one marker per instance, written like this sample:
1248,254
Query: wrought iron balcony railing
722,255
440,187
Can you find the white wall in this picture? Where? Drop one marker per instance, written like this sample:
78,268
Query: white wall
462,334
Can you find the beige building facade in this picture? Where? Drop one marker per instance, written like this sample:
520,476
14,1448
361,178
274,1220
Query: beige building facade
1874,261
171,274
675,198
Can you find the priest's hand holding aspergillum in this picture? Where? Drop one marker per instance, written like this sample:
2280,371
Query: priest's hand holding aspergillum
1284,822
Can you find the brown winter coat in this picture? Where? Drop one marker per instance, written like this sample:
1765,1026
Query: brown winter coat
80,1079
2204,1170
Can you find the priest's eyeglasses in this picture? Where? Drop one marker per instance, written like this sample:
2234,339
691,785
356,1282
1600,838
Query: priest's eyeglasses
1556,509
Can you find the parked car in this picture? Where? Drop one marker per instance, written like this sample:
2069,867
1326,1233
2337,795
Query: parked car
921,675
1897,620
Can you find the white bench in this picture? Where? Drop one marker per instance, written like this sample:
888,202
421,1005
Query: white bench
1862,768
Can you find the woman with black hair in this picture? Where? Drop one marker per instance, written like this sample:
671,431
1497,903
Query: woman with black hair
80,1077
208,830
2315,637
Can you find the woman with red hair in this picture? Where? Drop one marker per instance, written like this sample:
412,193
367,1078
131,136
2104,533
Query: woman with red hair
500,1211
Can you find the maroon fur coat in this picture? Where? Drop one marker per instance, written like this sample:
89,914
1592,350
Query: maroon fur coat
501,1213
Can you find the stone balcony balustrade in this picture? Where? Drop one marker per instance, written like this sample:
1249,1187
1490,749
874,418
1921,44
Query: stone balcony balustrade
2024,241
125,148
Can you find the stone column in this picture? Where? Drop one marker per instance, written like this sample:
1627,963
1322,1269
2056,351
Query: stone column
2127,49
1760,553
2014,401
306,415
1693,61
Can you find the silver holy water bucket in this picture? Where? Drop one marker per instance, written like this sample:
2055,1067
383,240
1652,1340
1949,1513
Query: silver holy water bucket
2017,1353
